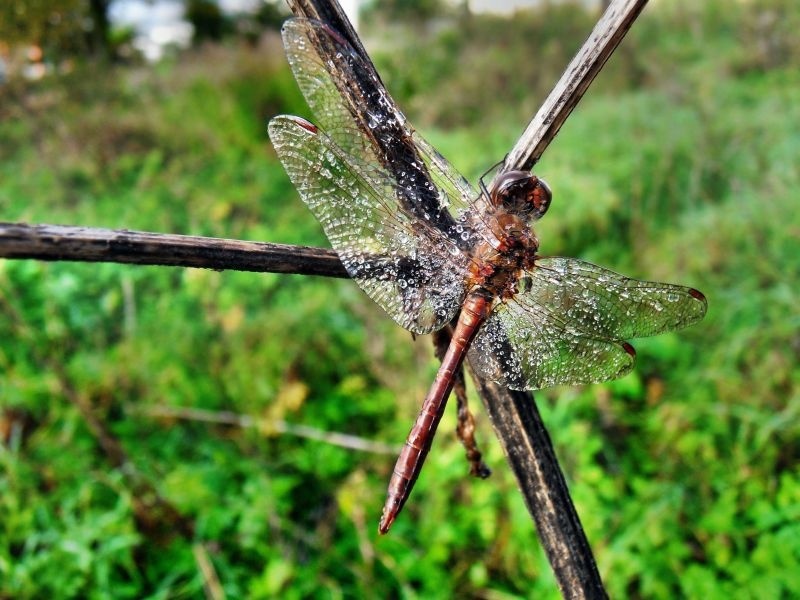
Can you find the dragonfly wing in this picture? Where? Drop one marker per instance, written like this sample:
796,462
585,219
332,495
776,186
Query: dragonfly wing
606,304
455,191
413,271
332,78
567,324
355,110
527,349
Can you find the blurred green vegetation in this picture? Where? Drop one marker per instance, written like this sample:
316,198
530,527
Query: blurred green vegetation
680,165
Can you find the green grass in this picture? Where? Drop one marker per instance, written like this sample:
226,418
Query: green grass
682,165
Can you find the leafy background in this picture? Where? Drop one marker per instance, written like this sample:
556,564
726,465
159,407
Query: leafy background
680,165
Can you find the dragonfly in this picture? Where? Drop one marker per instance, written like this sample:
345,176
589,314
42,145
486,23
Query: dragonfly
432,249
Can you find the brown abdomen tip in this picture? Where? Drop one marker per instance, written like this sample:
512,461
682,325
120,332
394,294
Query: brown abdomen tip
386,523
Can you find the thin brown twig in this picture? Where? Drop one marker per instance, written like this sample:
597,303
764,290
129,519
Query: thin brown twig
277,426
211,584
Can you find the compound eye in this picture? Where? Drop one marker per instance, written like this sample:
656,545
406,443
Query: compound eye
540,197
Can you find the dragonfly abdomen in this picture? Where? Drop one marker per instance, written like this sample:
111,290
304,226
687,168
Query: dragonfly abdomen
476,309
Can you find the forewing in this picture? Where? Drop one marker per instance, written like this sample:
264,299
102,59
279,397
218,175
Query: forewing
355,110
567,323
413,272
606,304
525,347
455,191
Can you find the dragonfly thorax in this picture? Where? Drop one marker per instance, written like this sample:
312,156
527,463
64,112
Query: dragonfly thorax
508,247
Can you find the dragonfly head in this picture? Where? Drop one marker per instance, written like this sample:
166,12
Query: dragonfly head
522,193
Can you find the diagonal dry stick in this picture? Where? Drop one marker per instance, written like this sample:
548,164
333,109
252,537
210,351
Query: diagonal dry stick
513,414
581,71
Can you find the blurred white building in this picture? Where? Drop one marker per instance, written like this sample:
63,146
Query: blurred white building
160,23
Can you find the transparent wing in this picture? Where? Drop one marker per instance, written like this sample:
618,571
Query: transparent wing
355,110
567,326
607,304
414,272
525,349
